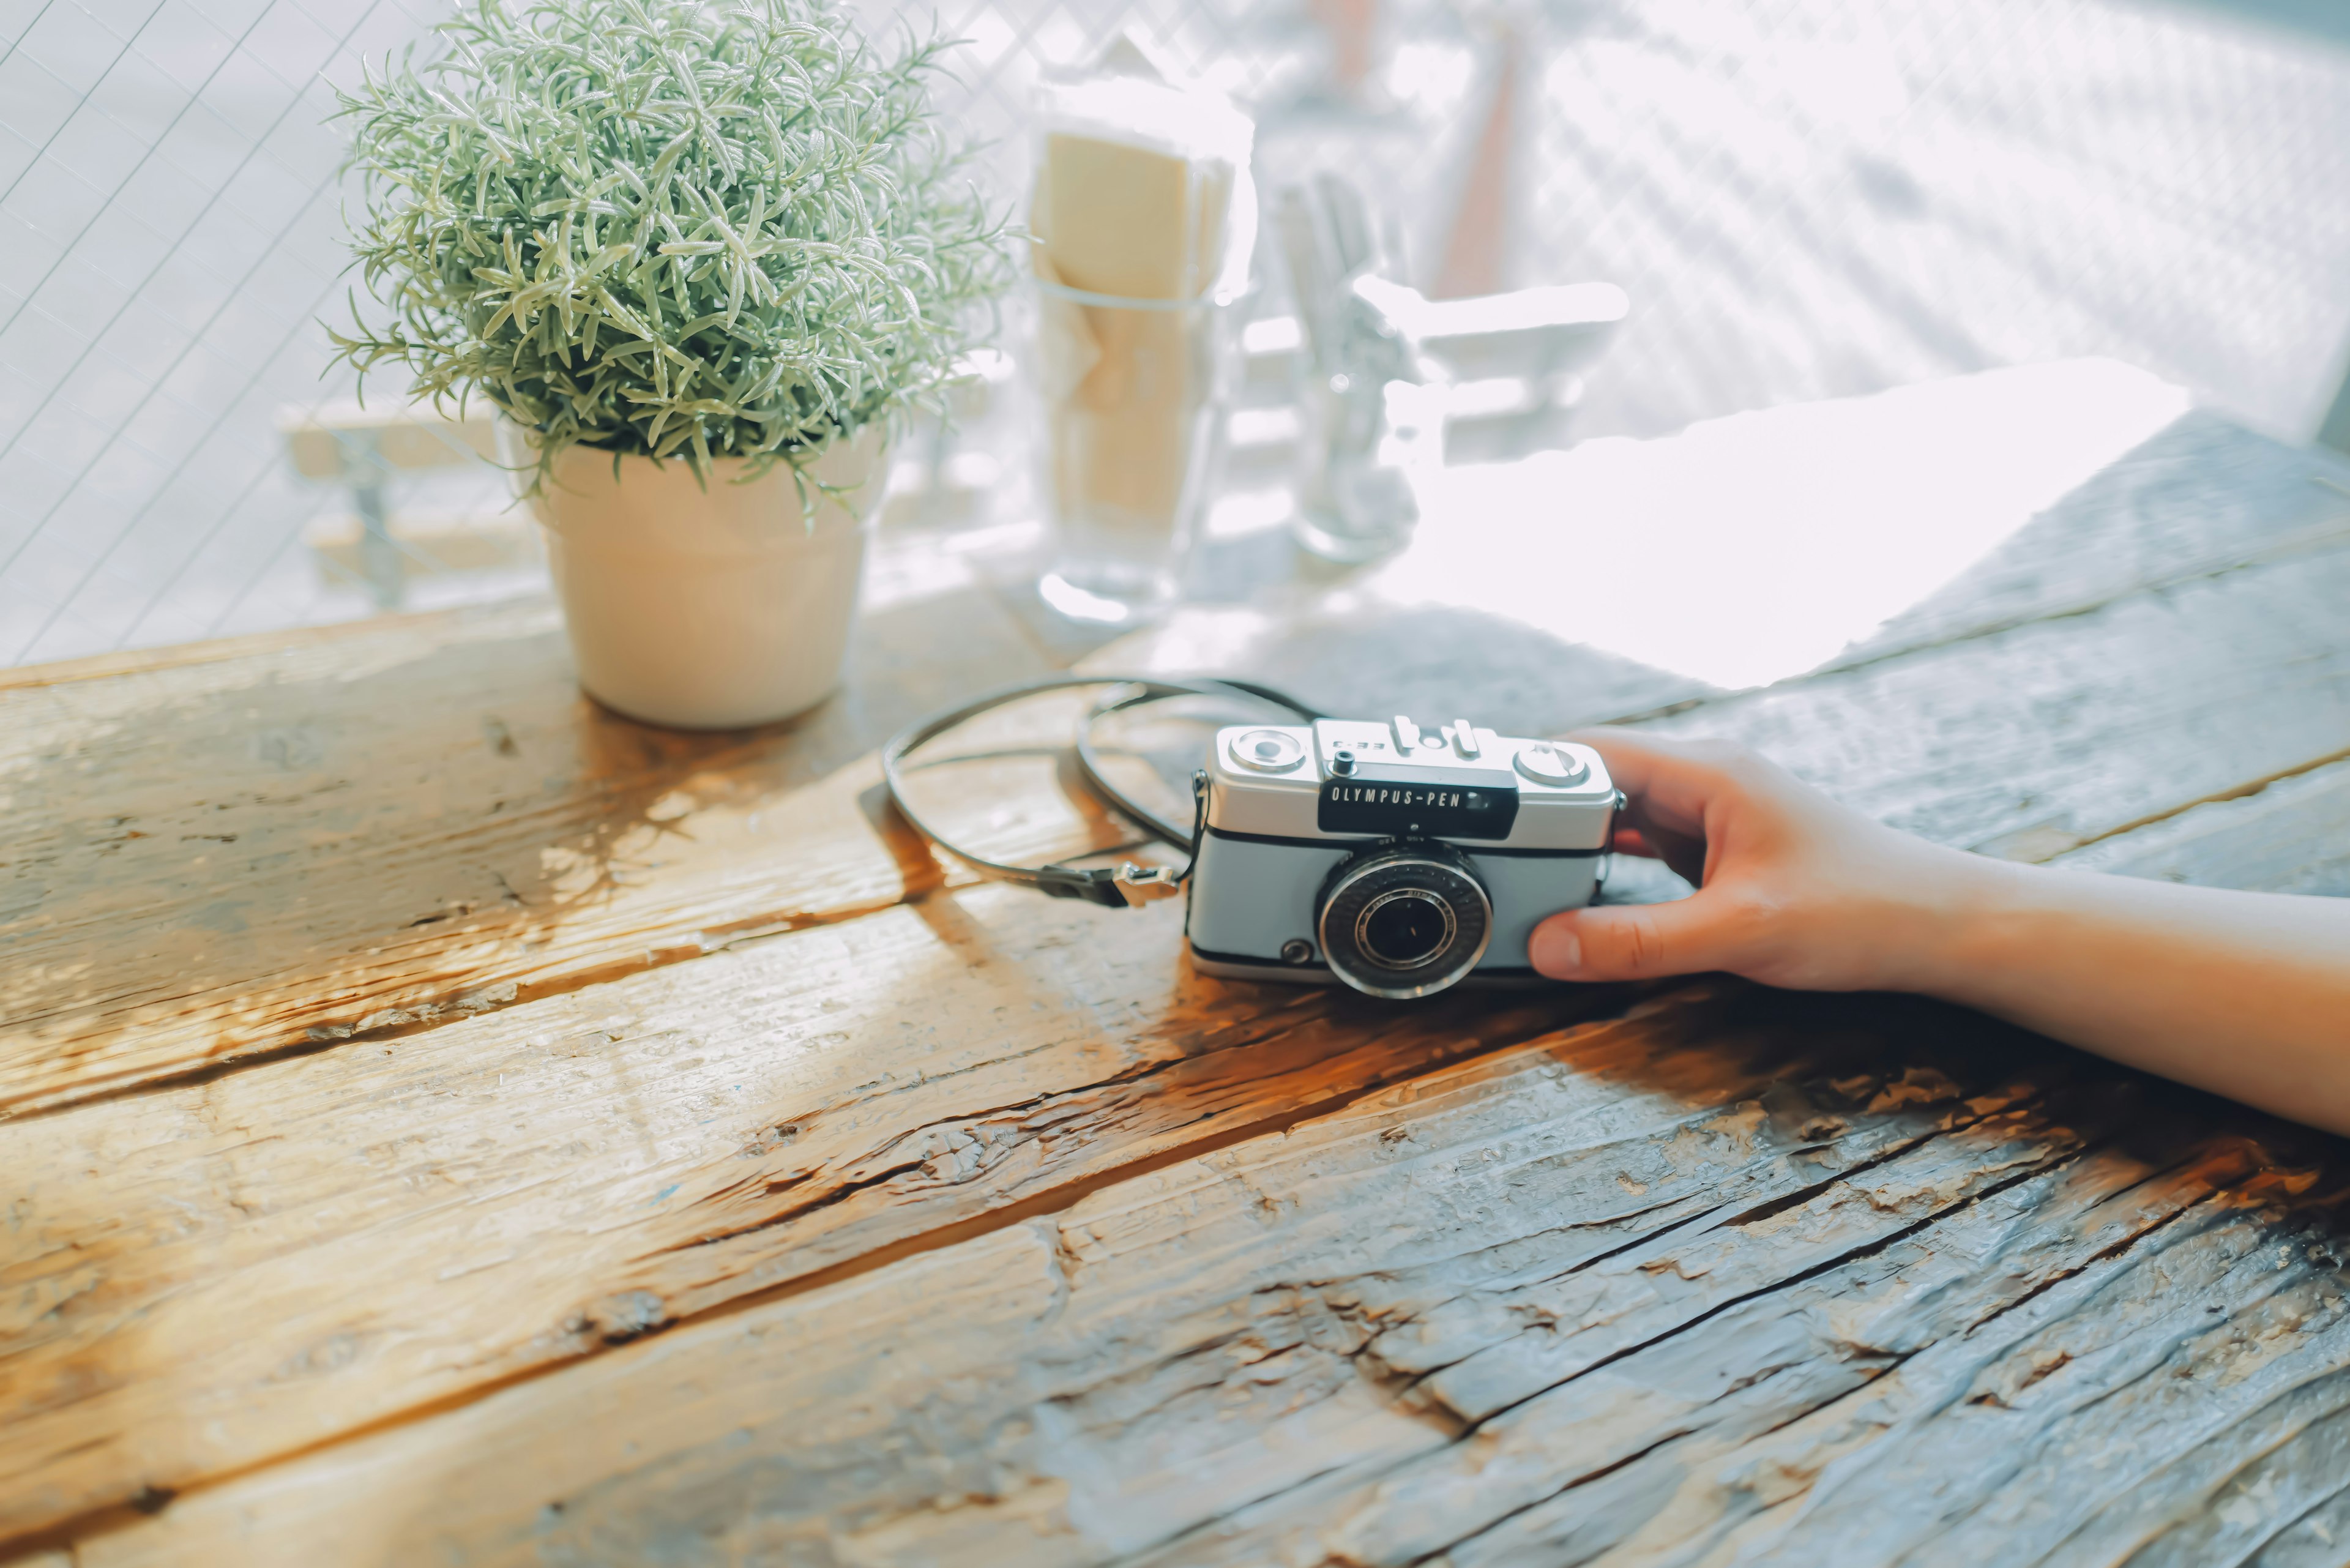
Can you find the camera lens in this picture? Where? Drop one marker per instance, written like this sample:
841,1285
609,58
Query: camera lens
1406,920
1404,927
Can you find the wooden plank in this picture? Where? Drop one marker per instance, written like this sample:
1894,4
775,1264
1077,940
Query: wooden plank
1353,654
624,1313
2290,836
421,625
1453,1310
2032,741
413,820
2027,743
420,815
2203,497
938,1067
418,1219
2054,1422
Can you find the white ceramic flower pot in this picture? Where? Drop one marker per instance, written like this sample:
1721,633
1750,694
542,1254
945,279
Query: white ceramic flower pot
706,608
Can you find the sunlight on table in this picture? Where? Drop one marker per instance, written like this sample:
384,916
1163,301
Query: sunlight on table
1751,548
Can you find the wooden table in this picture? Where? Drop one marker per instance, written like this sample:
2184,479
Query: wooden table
451,1124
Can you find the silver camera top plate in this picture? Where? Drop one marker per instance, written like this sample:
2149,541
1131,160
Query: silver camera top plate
1343,780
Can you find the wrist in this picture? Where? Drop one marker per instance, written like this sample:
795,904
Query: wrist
1967,911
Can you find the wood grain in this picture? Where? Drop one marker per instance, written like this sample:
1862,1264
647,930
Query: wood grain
1508,1312
2202,498
1564,1299
431,624
2290,836
936,1067
416,820
2025,1401
2032,741
411,819
416,1219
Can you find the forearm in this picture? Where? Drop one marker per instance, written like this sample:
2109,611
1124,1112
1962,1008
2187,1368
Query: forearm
2245,995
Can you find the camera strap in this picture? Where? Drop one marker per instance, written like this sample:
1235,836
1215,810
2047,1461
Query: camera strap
1127,884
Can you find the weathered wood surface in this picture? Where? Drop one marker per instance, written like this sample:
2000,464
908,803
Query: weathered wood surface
204,1277
2290,837
1637,1286
936,1067
364,832
2193,692
515,1190
418,819
2202,498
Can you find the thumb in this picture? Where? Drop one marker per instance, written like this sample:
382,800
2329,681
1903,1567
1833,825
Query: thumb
1633,941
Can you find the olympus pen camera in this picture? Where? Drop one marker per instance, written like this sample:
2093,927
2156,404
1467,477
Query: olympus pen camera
1396,860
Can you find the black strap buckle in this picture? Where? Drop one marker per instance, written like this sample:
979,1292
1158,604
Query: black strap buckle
1121,888
1096,886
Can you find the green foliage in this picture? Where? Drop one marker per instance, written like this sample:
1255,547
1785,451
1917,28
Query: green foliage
656,227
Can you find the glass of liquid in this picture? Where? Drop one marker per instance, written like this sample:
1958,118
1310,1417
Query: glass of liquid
1132,395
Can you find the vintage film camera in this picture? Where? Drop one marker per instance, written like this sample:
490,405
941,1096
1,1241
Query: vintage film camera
1396,859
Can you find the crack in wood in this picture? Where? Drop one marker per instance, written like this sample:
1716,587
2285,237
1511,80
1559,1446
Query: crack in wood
1857,1254
2103,1254
2209,569
1025,1112
1757,1214
1041,1206
2238,792
1960,1326
421,1017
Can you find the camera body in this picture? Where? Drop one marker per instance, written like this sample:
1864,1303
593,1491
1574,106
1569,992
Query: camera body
1397,860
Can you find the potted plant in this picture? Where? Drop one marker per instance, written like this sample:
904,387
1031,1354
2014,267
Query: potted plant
699,258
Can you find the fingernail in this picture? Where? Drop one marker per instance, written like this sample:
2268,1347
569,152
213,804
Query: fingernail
1555,949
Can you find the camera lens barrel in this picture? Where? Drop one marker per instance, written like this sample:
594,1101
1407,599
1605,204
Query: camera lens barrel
1404,920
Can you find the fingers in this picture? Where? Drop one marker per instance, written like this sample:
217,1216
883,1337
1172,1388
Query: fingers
1638,941
1684,796
1683,853
1680,793
1632,841
1671,782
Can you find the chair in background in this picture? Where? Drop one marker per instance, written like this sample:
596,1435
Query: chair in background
363,449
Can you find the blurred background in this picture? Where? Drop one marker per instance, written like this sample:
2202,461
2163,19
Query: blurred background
1800,199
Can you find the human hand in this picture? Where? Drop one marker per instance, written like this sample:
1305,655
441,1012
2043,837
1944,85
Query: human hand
1793,889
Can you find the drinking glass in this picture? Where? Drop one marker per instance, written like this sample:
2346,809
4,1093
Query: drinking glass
1133,394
